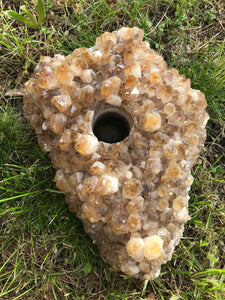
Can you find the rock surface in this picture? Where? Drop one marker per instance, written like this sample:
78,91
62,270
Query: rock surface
131,195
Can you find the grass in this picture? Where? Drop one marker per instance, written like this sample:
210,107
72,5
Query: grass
44,251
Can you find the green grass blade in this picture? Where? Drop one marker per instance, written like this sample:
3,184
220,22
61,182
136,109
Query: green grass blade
211,271
30,15
24,293
18,196
16,16
41,11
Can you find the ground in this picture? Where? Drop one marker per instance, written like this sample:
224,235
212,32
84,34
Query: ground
44,251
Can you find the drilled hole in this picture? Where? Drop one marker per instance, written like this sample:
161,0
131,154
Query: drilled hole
111,127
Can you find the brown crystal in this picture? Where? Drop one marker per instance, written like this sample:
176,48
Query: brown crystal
58,123
110,86
131,195
62,102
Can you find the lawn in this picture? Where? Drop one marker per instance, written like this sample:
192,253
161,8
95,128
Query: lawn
44,251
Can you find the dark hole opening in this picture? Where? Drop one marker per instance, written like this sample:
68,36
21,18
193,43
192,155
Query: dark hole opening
111,127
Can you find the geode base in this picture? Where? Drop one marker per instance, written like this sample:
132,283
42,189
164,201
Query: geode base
123,132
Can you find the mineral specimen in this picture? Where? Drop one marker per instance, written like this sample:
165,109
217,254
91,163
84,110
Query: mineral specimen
123,132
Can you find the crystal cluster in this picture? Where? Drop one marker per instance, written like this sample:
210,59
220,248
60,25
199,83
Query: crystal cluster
131,195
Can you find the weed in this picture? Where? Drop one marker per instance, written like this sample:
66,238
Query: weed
31,20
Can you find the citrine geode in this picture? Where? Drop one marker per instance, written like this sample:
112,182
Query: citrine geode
123,132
